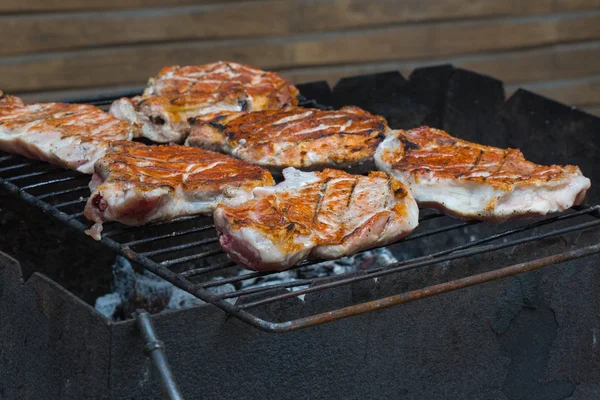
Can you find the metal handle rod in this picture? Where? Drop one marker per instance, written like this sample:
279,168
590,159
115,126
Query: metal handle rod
154,348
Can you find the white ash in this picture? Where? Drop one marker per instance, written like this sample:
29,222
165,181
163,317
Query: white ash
143,290
133,290
360,262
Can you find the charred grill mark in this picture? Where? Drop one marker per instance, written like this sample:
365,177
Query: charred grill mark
501,163
349,235
351,193
217,126
387,222
472,167
408,145
175,100
320,200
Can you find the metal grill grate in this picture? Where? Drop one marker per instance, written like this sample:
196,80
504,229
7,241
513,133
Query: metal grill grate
186,252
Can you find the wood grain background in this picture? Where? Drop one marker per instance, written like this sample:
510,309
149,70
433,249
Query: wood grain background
62,48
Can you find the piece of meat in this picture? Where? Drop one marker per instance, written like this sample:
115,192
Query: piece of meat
302,138
69,135
478,182
8,102
321,215
179,94
137,184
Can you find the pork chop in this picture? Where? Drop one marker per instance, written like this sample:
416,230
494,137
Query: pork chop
137,184
322,215
179,94
478,182
68,135
300,137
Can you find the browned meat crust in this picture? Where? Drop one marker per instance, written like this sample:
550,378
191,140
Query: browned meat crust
137,184
300,137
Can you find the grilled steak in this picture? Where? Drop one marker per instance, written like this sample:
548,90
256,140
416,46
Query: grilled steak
477,182
300,137
323,215
179,94
137,184
69,135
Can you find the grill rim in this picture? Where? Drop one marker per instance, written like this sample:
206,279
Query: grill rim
201,291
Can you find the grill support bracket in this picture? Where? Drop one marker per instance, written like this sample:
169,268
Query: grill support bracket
154,349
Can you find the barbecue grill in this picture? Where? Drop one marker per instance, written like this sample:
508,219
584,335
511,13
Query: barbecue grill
63,193
186,252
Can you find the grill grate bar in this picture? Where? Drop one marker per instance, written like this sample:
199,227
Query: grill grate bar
426,261
430,216
50,182
13,167
284,285
193,257
76,215
6,158
126,228
199,271
72,202
180,247
439,230
169,235
29,175
251,275
60,192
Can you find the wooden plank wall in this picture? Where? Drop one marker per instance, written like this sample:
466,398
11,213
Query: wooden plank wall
52,49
